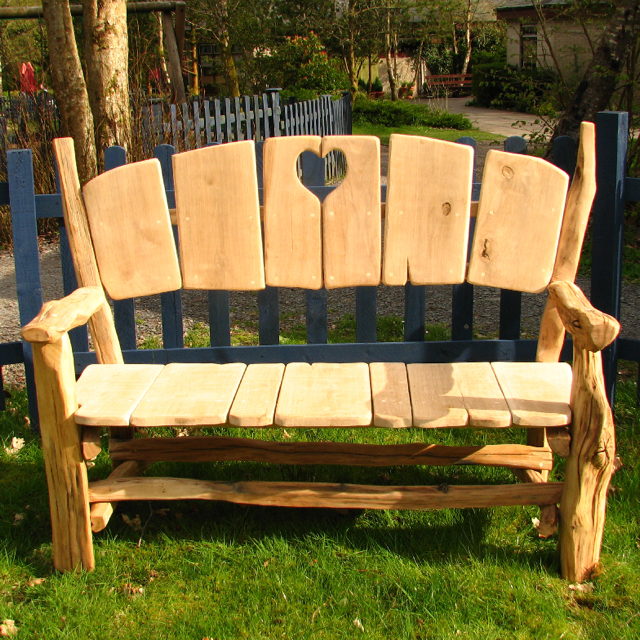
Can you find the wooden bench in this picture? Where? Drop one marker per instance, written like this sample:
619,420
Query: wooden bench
528,231
459,82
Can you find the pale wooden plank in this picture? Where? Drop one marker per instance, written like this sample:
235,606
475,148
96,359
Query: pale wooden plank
518,225
435,397
390,395
292,216
481,394
131,231
351,229
189,395
108,393
326,495
255,401
219,217
537,393
427,211
324,394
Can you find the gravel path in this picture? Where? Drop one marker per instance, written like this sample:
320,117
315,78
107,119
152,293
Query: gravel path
292,303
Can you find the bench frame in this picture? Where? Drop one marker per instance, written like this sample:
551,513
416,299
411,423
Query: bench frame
78,507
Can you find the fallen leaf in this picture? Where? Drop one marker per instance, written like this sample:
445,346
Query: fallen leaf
585,587
134,523
358,624
535,522
17,519
285,434
8,628
35,581
15,446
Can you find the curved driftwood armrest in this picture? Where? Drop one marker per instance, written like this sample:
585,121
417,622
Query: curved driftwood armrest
59,316
591,329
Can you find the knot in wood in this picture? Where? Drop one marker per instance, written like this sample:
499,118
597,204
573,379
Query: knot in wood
446,208
443,488
485,249
507,172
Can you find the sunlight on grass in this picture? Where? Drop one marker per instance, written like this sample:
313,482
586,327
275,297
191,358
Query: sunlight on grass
441,134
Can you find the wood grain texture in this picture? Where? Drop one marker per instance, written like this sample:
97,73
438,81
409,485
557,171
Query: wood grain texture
255,401
101,512
66,470
219,217
481,394
292,216
108,393
427,211
537,393
325,495
351,228
588,470
390,395
103,332
435,397
216,448
189,395
324,394
518,225
131,231
57,317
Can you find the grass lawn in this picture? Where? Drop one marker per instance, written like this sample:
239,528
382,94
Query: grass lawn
198,570
384,132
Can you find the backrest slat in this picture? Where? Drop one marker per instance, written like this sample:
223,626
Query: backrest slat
317,332
414,306
268,316
518,225
219,325
428,211
366,304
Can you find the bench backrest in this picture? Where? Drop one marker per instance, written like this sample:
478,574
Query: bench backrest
527,231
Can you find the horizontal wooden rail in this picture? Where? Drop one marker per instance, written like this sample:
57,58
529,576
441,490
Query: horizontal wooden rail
209,449
325,495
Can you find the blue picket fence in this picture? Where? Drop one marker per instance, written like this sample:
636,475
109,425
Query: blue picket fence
608,221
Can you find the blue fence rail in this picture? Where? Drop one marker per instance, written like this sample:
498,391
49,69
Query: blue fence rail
614,190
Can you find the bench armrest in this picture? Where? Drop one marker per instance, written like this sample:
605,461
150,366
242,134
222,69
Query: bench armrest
59,316
591,329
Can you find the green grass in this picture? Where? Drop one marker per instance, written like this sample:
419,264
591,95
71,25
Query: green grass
198,570
383,132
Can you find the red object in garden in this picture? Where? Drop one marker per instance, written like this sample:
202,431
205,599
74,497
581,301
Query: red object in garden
27,78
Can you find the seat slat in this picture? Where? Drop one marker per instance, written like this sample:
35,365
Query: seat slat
108,393
131,231
351,229
189,395
481,394
255,401
218,216
519,218
427,211
390,395
538,393
324,394
435,396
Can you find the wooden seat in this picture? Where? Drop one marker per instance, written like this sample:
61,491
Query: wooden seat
527,237
463,394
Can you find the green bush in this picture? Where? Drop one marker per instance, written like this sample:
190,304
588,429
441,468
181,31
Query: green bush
394,113
502,86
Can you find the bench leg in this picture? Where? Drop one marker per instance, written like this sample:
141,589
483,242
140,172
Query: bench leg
589,469
62,449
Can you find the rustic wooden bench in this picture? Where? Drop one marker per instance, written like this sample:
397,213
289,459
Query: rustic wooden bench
459,82
528,231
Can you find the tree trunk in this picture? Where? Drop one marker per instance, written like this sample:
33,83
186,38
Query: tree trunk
69,85
175,68
390,55
467,37
600,79
106,53
229,64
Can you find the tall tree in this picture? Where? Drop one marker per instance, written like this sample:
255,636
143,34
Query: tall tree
601,77
67,79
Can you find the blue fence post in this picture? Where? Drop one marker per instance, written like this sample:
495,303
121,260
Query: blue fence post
22,198
612,130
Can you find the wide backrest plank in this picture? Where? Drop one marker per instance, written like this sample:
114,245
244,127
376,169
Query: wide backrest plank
518,225
104,336
218,216
427,212
292,216
351,215
131,231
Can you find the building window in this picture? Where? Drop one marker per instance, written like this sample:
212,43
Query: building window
528,45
